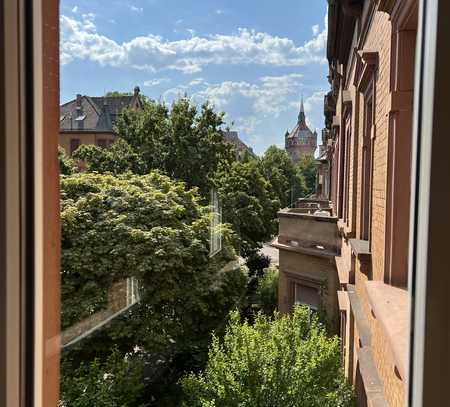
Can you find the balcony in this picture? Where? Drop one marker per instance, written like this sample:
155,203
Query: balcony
308,229
308,241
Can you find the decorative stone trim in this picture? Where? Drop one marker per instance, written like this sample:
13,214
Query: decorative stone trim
335,122
366,66
361,249
343,272
343,300
346,97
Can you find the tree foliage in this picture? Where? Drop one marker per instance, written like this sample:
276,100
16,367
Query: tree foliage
66,164
184,142
279,169
249,203
118,158
287,362
154,229
307,168
115,93
116,381
267,290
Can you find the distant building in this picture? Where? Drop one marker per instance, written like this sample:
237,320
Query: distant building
301,140
90,119
241,148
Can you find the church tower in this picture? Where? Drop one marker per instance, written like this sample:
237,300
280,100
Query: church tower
301,140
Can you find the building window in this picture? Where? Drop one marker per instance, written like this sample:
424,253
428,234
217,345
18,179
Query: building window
366,176
398,190
306,295
74,144
341,157
348,138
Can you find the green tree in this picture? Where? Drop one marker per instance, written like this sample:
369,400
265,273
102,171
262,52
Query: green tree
154,229
249,203
280,170
267,290
114,93
66,164
183,142
116,159
287,362
307,169
117,381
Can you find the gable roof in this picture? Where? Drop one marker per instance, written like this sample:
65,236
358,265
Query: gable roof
232,137
95,114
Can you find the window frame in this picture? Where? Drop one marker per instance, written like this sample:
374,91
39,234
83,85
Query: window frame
29,346
365,229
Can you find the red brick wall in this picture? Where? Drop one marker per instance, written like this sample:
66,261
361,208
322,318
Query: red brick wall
379,40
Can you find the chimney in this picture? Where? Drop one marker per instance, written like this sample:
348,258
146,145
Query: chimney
136,91
79,100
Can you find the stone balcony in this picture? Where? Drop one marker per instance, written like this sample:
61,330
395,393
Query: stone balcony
308,241
308,229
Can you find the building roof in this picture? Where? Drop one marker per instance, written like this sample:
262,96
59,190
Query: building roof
95,114
232,137
301,129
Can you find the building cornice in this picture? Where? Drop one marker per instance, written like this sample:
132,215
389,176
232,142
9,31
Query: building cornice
367,64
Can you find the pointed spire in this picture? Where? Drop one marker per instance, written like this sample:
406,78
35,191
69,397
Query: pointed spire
301,115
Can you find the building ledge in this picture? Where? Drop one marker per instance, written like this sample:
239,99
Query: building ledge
343,300
390,306
311,251
373,385
361,249
344,230
292,213
343,272
360,319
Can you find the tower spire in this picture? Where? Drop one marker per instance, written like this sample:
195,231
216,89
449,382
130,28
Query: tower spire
301,115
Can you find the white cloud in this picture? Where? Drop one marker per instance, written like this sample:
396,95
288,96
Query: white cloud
270,95
314,102
219,11
80,40
138,10
196,82
247,124
75,10
156,82
315,29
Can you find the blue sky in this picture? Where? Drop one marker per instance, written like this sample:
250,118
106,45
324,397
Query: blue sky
251,58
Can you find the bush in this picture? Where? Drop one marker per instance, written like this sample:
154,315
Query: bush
287,362
267,291
118,381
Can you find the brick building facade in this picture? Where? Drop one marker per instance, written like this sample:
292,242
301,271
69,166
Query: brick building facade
364,170
371,54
